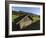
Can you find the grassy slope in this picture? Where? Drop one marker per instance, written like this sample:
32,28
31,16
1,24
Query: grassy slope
14,17
35,24
35,18
16,14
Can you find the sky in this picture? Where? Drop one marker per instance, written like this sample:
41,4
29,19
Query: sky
34,10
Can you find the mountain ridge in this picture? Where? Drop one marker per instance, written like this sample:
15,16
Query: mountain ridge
21,12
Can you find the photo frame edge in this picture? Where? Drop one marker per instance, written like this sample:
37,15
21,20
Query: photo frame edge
6,19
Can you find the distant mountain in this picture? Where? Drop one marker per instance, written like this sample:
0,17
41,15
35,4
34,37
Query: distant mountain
21,12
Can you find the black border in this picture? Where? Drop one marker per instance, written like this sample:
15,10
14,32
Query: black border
7,14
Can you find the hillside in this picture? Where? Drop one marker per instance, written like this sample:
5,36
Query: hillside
18,15
21,12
